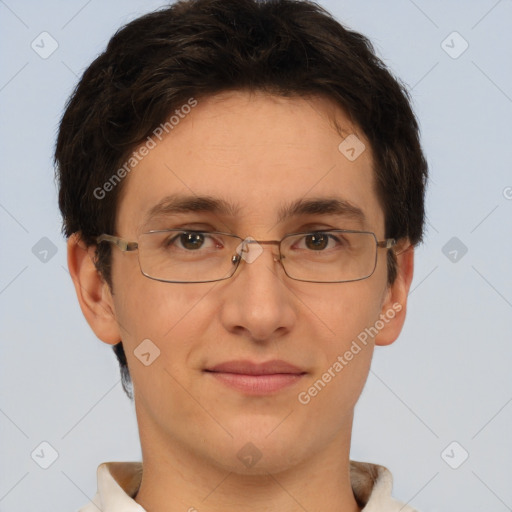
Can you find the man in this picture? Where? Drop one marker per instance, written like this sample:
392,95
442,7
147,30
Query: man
242,187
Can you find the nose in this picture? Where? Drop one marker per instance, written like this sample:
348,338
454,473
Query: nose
257,302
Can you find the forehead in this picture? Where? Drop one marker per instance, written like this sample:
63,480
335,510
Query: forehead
259,157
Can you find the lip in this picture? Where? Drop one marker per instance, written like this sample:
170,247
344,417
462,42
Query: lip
256,378
246,367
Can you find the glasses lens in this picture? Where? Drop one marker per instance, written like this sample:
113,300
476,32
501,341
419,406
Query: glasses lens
187,256
329,256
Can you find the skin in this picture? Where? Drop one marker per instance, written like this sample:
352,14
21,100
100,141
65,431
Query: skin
257,151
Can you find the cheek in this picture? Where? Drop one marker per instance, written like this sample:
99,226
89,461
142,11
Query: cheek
170,315
342,311
146,308
340,375
346,316
163,326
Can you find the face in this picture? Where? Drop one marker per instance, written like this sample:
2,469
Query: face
258,153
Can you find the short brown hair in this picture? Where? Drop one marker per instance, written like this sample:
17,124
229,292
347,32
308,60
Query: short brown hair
197,48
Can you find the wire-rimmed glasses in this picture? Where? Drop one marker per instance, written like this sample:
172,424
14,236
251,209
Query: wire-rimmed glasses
194,256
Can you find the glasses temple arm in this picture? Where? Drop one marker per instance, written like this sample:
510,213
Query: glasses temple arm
122,244
387,244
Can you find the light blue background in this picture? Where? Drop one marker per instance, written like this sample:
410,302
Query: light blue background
446,379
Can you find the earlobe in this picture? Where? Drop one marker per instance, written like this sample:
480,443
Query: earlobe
92,291
394,306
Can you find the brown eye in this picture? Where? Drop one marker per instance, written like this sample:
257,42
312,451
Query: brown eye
192,241
317,241
200,242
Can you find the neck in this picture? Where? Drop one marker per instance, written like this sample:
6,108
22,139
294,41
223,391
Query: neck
175,480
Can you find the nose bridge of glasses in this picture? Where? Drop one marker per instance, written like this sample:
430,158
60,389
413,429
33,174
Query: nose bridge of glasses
250,249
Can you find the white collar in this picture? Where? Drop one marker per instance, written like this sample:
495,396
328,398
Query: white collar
118,482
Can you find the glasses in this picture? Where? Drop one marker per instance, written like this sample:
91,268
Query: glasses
190,256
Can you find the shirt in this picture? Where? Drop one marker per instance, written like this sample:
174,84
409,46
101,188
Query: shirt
118,483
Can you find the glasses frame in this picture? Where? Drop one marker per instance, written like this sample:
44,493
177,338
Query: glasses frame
127,246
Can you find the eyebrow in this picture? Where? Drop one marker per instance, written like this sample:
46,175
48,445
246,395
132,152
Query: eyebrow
321,206
175,204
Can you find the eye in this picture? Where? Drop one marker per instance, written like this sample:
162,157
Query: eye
192,241
320,241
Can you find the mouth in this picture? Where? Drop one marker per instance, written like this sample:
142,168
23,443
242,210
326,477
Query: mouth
256,378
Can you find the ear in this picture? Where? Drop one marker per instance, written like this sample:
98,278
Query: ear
394,305
93,292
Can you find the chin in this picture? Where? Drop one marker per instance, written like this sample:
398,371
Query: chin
260,449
